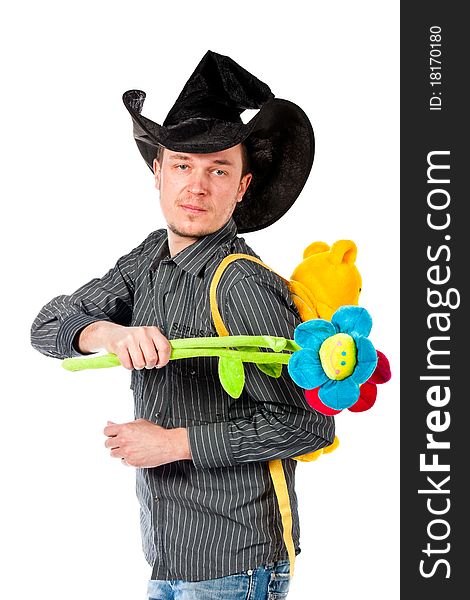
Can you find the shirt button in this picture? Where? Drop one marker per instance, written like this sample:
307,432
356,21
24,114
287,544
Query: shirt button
157,499
192,372
158,415
249,572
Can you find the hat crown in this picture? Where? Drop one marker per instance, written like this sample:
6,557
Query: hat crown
219,88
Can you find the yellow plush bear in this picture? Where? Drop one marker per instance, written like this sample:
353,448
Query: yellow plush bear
326,279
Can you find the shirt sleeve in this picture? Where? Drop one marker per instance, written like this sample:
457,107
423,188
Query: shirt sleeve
109,298
283,425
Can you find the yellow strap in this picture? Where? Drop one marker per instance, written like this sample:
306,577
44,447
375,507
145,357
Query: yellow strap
282,494
219,324
275,466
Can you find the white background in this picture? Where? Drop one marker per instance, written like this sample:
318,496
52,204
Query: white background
76,195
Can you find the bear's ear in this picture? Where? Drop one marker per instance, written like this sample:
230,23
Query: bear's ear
343,251
315,248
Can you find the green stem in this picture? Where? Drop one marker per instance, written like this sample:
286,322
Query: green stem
182,349
265,341
245,356
93,362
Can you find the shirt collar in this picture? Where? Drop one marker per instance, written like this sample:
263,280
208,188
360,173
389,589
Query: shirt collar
195,257
160,252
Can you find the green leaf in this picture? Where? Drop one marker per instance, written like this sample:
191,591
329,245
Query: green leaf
275,343
232,375
291,346
273,369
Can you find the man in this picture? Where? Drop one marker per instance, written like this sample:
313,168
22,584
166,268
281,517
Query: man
210,522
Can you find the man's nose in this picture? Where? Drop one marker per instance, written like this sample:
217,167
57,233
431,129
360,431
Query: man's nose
198,182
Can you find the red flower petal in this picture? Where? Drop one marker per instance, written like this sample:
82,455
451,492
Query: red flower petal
382,371
314,401
367,397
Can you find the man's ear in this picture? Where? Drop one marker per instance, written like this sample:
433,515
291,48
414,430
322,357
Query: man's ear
156,172
244,183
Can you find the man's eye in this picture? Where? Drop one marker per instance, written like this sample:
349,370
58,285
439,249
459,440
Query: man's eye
219,172
182,167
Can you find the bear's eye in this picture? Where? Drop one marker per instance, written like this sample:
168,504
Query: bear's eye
360,289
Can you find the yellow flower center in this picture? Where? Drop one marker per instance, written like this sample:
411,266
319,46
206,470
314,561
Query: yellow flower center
338,356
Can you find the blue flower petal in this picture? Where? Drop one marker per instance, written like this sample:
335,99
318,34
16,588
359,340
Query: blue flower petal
311,334
339,394
305,369
366,359
349,319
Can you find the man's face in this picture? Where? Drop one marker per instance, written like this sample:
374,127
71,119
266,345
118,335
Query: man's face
199,192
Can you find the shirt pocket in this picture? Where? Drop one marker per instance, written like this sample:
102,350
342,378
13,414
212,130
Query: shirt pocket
196,394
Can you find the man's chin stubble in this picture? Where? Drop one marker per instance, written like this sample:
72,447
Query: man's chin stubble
186,234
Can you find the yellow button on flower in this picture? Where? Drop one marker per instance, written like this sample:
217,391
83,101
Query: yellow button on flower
338,356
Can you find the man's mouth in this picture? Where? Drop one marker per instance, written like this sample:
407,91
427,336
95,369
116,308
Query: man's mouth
193,209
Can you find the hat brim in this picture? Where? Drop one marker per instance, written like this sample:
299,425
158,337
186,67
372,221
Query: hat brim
280,144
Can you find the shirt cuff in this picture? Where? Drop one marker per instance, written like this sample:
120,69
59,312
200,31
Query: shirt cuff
210,446
68,329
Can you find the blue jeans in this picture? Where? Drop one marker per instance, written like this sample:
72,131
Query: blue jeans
269,582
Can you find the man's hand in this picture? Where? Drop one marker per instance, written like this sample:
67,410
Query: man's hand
142,443
136,347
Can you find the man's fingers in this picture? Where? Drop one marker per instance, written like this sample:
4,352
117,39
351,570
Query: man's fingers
137,357
111,430
155,348
125,359
140,347
149,353
111,442
163,347
118,454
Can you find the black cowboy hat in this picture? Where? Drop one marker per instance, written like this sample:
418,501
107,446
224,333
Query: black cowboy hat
206,118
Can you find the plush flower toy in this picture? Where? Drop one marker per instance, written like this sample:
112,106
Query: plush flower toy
334,362
337,365
330,356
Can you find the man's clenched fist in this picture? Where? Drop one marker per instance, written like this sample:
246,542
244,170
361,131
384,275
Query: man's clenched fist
136,347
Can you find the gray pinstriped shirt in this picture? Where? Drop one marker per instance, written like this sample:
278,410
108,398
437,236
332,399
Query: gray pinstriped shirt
217,514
